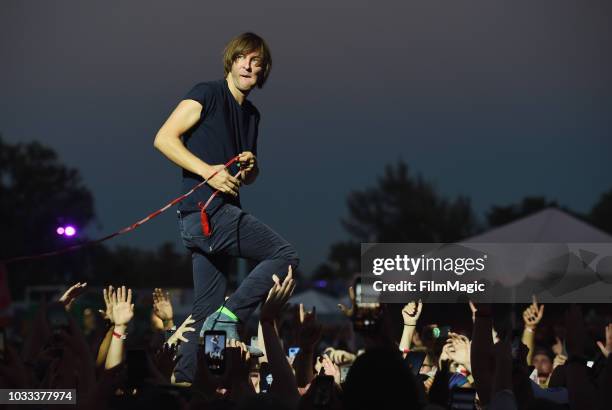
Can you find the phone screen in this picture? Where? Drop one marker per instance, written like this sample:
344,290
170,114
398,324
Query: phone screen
293,351
214,349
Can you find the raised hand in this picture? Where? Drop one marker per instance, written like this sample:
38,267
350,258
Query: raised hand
248,163
349,311
238,369
123,309
557,348
223,181
109,301
473,309
162,306
308,330
459,349
533,314
68,298
339,357
607,347
165,360
411,313
330,369
183,328
277,297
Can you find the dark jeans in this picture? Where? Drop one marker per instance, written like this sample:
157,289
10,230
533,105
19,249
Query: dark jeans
234,234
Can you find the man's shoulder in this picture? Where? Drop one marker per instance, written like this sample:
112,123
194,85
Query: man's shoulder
205,90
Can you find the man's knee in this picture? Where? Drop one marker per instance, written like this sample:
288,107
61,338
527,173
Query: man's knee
290,255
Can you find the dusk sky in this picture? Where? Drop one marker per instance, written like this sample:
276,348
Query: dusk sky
493,99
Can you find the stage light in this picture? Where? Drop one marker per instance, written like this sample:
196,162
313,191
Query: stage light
60,230
70,231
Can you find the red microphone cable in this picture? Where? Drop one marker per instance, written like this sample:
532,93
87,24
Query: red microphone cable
136,224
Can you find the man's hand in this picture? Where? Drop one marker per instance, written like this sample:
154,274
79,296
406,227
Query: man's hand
162,307
71,294
349,311
248,167
459,349
606,348
123,309
109,301
411,313
248,161
533,314
223,181
277,297
178,335
307,328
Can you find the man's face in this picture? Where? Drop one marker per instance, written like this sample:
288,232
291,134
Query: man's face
246,69
543,364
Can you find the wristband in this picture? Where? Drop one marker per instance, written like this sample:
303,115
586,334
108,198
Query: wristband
409,325
119,335
405,350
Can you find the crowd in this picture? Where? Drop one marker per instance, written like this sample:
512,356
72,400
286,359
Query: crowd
496,364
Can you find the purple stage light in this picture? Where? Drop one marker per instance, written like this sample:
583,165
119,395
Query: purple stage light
322,283
70,231
60,230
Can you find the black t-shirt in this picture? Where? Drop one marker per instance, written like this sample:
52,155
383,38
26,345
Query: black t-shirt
225,129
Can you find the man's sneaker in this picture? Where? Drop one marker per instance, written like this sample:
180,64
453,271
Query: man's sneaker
219,320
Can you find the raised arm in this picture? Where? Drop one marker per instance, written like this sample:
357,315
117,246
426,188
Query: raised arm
284,385
531,317
123,312
410,313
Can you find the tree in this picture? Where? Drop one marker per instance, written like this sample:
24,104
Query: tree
400,208
37,193
601,213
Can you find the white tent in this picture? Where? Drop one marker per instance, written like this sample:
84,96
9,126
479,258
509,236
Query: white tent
548,225
555,226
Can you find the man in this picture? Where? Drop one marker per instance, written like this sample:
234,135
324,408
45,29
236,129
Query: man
212,124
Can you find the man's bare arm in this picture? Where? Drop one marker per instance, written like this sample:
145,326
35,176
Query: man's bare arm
168,142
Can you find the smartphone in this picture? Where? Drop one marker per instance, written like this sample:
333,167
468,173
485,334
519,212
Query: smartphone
2,346
293,351
214,350
265,377
415,361
265,382
365,316
462,399
137,368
